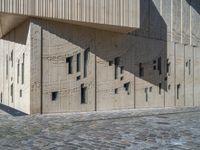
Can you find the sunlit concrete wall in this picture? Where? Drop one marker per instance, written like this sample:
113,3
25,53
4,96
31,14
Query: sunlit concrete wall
15,49
160,62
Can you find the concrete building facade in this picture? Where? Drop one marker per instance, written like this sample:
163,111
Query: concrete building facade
95,55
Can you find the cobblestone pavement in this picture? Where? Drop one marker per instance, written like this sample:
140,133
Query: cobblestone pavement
134,129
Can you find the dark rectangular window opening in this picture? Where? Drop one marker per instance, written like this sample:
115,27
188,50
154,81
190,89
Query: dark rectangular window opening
141,70
146,94
20,93
11,57
6,66
160,65
54,96
69,62
23,68
18,66
86,57
127,87
1,97
78,78
168,66
110,63
178,90
83,94
116,91
11,92
122,69
116,61
78,62
160,88
189,66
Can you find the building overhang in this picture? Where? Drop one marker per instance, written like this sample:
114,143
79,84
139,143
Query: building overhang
112,15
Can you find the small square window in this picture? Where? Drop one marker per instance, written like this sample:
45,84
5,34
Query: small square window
54,96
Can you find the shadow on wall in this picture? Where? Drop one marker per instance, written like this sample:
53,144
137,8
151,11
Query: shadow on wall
142,53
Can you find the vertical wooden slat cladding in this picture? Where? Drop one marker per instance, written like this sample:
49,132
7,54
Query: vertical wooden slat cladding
109,12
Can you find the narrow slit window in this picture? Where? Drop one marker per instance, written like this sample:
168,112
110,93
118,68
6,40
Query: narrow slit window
160,88
178,91
127,87
11,92
20,93
141,70
18,66
189,66
86,57
168,67
1,97
78,62
54,96
160,65
6,66
154,64
83,94
122,69
146,94
11,57
69,62
116,61
23,68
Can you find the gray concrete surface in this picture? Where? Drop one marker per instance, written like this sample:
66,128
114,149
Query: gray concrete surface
128,129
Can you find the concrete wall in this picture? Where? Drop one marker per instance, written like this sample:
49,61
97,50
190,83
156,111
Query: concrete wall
155,66
18,43
118,15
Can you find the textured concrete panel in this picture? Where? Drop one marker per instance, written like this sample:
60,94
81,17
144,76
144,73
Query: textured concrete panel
195,22
170,74
196,76
105,14
166,23
189,74
179,87
176,23
185,33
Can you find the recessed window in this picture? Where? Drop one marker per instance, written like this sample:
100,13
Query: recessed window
141,70
11,57
146,94
150,89
117,60
83,94
78,77
168,67
110,63
160,65
11,92
18,71
127,87
1,97
86,57
178,91
23,68
54,96
116,91
160,88
122,69
6,66
78,62
20,93
69,62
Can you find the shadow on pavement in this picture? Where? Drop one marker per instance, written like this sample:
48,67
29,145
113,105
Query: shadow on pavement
11,111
